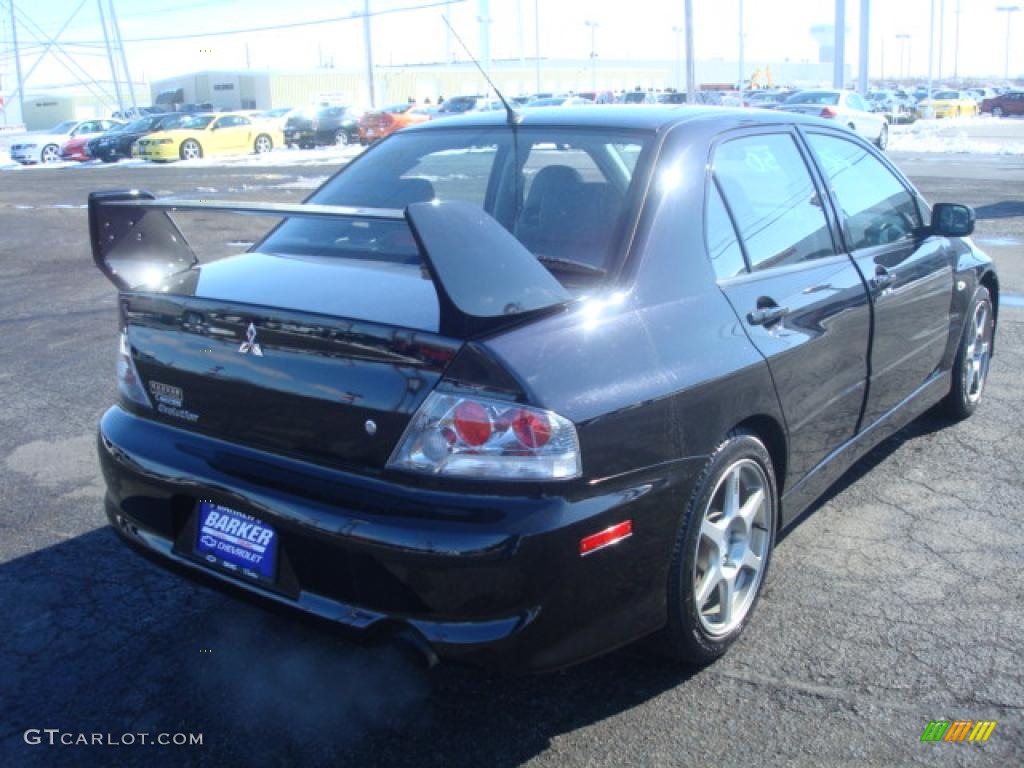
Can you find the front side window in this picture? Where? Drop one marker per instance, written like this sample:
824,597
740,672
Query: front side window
774,202
874,206
562,192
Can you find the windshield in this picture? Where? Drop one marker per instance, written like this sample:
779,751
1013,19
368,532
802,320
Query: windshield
946,95
562,192
66,127
814,97
458,104
196,121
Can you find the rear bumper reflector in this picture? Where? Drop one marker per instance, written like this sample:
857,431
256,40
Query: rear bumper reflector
606,538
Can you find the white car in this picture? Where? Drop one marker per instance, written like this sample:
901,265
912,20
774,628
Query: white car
846,108
45,147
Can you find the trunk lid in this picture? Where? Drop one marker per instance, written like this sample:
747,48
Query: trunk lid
244,349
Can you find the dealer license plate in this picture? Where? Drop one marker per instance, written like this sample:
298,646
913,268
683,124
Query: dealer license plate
236,541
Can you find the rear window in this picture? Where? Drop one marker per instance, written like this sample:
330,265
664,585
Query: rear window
562,192
823,98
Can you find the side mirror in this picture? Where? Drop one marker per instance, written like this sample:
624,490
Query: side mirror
952,220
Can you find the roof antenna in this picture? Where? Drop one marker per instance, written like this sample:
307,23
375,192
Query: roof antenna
511,116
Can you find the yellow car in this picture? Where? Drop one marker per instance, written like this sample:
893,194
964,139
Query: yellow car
209,135
947,104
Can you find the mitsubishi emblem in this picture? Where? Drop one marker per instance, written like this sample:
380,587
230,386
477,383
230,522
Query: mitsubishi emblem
250,344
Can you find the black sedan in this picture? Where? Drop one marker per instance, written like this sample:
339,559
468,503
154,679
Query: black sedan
322,126
116,144
523,389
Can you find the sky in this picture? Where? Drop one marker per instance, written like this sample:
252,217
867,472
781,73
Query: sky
642,29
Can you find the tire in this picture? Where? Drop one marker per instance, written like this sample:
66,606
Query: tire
190,150
341,138
973,358
50,154
694,633
883,138
263,144
997,111
108,159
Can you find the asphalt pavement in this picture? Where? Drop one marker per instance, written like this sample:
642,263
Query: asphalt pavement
899,599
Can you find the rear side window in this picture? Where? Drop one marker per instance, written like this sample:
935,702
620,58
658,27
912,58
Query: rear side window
874,206
723,247
773,200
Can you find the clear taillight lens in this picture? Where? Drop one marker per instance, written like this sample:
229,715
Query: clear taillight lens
463,436
128,382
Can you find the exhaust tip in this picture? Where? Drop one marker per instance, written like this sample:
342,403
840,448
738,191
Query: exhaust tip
412,644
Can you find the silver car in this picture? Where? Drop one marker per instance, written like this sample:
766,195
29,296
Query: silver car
845,107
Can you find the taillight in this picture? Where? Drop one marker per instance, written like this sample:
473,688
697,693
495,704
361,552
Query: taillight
829,112
469,436
128,382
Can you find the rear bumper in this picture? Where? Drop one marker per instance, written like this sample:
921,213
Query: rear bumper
492,580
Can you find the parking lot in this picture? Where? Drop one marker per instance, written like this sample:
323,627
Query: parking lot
899,599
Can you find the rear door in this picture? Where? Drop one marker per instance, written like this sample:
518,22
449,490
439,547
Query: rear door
910,277
801,299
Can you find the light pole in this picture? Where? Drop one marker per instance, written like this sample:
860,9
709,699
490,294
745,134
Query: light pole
904,39
17,66
593,53
942,36
862,64
368,44
839,54
691,75
956,44
1007,9
677,33
536,41
743,77
931,57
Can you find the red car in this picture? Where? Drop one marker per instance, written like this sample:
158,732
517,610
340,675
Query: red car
378,124
75,149
1010,103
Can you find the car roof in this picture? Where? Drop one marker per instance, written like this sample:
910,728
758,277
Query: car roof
625,117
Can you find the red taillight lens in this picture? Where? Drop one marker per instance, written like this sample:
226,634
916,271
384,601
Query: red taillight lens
829,112
472,423
532,429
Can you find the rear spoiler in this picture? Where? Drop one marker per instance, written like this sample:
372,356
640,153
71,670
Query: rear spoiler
484,277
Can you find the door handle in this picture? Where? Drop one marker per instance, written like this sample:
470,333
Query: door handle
882,279
767,315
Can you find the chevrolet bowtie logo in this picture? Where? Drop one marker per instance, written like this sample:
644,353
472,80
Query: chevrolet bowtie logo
250,344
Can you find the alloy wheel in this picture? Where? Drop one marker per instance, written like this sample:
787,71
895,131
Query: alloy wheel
997,111
978,354
263,145
50,154
732,547
190,150
341,138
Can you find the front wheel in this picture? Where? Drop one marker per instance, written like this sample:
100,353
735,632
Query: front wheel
883,137
973,356
341,137
997,111
722,551
50,154
190,150
263,144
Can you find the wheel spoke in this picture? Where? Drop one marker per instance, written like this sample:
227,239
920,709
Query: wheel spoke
726,594
712,578
716,533
731,499
748,512
750,560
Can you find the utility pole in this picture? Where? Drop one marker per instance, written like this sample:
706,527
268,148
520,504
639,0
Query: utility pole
536,41
839,46
677,33
942,36
904,38
1008,10
17,65
742,73
124,56
956,44
931,55
691,75
110,57
862,61
368,44
593,53
447,32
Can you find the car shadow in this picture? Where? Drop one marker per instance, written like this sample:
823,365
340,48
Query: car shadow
1005,209
98,640
927,423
